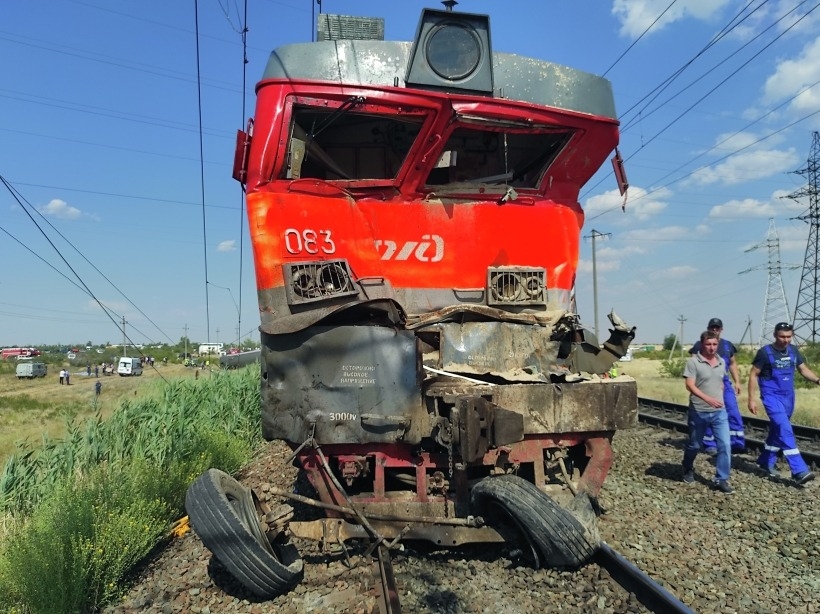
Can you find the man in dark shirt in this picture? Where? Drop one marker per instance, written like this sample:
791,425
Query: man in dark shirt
774,366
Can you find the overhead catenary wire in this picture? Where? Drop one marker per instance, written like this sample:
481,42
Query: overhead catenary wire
723,61
729,155
19,198
88,291
635,42
241,186
711,91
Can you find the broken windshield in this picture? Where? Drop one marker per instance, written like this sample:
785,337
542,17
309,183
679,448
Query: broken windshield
496,155
350,142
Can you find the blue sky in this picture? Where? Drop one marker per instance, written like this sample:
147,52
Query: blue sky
99,125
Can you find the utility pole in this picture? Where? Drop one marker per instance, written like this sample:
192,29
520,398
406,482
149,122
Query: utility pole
681,319
185,328
124,347
748,329
806,318
594,234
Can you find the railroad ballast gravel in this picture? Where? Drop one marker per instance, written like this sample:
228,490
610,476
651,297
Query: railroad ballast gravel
754,551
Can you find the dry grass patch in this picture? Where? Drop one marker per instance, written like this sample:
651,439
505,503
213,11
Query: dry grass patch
651,384
32,409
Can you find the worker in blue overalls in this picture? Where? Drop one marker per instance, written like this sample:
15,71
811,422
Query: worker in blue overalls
731,388
774,366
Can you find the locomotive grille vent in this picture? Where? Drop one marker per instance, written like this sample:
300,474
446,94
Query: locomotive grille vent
315,281
516,286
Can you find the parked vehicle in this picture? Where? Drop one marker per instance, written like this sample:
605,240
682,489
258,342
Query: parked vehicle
239,359
130,366
31,370
19,353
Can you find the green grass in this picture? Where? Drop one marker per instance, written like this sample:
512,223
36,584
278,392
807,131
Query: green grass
84,509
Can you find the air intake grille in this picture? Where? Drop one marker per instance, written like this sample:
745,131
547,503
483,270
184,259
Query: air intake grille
316,281
516,286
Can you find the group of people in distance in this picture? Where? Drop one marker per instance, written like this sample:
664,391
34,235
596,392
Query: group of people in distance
715,424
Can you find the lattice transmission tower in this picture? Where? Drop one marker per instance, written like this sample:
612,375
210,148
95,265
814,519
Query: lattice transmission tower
806,325
775,305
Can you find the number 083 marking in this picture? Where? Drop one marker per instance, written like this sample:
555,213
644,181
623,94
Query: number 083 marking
309,240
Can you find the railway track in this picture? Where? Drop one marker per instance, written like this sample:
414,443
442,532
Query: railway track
654,597
673,416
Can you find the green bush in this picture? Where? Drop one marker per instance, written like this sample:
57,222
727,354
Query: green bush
673,368
74,551
82,511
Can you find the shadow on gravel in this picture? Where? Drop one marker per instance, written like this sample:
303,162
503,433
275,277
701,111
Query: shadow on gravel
666,471
223,580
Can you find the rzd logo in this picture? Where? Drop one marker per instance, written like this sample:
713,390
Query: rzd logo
416,249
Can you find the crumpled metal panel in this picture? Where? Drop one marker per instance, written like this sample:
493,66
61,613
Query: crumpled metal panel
358,384
515,352
596,405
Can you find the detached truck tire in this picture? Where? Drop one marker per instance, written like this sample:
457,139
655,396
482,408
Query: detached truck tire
223,515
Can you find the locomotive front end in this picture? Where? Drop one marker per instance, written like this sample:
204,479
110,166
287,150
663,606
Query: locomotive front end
415,222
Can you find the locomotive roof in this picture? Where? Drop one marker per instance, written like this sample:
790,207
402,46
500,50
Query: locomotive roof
368,62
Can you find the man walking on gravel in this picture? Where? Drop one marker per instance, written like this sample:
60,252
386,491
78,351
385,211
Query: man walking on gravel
774,366
704,374
731,388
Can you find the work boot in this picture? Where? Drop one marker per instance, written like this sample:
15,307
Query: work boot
803,477
769,471
723,486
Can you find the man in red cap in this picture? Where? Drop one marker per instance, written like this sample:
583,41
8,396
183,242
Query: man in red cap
731,388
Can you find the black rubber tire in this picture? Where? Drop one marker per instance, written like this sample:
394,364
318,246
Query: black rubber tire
223,515
559,538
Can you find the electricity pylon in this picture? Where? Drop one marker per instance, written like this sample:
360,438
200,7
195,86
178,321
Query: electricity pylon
808,298
775,305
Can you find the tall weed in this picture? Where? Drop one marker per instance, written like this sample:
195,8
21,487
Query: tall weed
82,511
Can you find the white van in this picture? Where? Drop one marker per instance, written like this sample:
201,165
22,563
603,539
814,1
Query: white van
129,366
31,370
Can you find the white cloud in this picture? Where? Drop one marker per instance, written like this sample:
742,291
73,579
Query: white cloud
585,266
729,141
793,239
777,205
667,233
792,75
609,258
639,203
60,209
742,209
637,15
747,166
226,246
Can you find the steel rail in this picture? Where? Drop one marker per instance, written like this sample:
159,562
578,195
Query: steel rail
387,589
652,595
804,434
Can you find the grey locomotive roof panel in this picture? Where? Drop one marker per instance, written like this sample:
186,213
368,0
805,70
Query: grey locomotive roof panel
365,62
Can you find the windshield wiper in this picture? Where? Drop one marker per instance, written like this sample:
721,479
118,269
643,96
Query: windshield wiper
347,105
